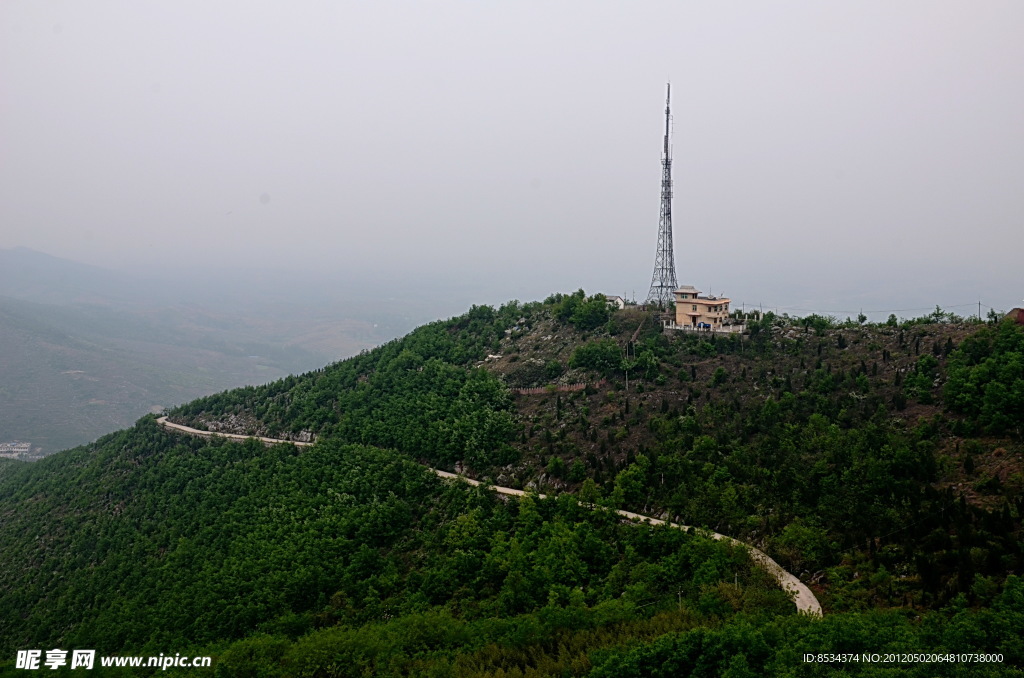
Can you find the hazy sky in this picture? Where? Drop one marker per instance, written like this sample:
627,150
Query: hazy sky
828,155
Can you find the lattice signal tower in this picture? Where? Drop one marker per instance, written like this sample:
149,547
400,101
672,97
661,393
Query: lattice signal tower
663,282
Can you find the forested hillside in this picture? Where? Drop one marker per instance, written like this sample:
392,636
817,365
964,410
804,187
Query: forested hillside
889,449
881,463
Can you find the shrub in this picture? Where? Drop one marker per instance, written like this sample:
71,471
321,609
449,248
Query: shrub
602,355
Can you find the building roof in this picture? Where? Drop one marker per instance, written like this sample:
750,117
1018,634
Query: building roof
690,289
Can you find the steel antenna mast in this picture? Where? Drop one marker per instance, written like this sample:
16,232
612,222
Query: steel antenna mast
663,282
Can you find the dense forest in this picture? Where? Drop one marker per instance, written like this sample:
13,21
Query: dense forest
881,463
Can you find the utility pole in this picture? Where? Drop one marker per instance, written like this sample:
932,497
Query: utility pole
663,281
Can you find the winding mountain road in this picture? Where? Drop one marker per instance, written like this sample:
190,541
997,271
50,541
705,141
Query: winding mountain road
803,597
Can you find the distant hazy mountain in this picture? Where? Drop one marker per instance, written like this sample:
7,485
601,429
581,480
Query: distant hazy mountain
35,276
70,373
84,351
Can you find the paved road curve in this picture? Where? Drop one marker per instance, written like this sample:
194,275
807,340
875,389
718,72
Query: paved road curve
802,596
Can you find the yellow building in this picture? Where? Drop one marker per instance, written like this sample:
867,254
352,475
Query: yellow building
696,312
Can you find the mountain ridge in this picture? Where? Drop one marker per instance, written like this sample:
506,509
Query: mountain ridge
285,563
